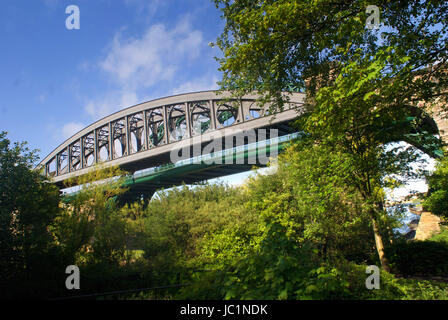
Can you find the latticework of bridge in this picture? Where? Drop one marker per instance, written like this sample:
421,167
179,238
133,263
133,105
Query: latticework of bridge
143,136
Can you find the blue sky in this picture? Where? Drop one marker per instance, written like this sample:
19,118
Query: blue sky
55,81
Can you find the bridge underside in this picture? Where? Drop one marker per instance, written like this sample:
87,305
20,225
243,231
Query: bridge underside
145,135
190,148
145,189
165,134
144,183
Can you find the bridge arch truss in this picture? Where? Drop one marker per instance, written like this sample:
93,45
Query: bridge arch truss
142,135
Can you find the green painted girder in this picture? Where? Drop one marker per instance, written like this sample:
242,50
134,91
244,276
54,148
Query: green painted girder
153,178
192,165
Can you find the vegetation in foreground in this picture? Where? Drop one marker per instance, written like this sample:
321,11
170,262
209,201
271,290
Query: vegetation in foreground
305,232
300,233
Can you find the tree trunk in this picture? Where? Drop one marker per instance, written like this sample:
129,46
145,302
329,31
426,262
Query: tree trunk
379,245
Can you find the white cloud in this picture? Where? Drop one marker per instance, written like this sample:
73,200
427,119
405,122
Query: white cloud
150,65
84,66
71,128
154,57
110,103
200,84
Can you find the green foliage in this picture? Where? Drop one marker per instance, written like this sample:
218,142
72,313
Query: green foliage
301,233
359,84
419,257
273,271
347,281
109,237
100,228
28,206
205,285
307,218
442,236
299,216
437,201
270,46
72,232
424,290
224,247
167,241
310,197
176,230
391,288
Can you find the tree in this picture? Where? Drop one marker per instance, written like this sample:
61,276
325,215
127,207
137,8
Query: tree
437,200
359,82
311,223
179,223
272,45
92,226
362,135
28,206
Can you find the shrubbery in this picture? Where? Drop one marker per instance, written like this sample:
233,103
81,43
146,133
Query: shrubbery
437,202
300,233
419,257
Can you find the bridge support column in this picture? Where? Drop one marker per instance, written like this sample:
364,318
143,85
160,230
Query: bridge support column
145,130
58,157
188,119
95,146
165,124
127,136
111,141
69,160
81,143
212,115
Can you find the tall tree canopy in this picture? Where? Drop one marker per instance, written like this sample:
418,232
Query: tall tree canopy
360,83
28,205
272,45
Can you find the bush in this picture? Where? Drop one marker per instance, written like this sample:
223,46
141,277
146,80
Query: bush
340,280
104,277
437,201
442,236
418,257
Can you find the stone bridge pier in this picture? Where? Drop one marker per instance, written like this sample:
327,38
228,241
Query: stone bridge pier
440,118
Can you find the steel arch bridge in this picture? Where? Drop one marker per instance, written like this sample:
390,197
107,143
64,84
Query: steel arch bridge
144,135
140,139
